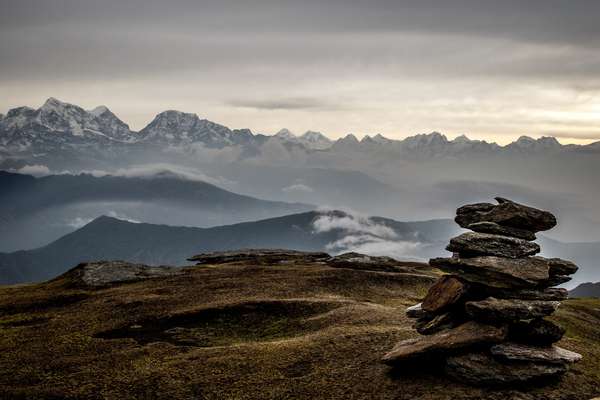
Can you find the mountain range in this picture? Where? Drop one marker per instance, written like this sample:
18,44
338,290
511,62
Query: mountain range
587,289
36,211
421,177
107,238
59,125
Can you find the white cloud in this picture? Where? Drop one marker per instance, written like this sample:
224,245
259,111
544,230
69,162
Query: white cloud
79,222
363,235
35,170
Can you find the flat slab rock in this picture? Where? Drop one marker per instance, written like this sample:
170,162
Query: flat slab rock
105,273
258,255
482,369
492,309
494,228
485,244
502,272
506,213
466,335
522,352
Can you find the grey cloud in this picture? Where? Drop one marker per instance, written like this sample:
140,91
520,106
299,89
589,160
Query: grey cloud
291,103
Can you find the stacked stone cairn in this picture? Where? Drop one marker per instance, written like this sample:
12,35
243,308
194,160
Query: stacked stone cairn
484,320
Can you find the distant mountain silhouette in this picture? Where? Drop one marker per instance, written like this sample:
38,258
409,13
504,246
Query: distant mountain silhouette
35,211
587,289
108,238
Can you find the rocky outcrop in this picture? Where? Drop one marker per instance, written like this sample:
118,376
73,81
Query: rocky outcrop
486,317
261,256
106,273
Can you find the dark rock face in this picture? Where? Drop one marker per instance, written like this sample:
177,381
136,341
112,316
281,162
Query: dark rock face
506,213
538,332
523,352
466,335
447,291
497,272
483,369
477,244
494,228
492,309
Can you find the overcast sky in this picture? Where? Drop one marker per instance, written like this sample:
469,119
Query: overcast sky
490,69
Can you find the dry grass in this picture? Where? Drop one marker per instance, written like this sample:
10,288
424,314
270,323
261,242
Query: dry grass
250,332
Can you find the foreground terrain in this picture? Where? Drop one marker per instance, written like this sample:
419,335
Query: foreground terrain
257,328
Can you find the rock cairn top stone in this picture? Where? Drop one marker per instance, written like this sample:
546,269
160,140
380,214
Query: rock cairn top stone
484,320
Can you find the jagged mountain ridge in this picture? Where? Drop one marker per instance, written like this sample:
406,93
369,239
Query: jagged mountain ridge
59,124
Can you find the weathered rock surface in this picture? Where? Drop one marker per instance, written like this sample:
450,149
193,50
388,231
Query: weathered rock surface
522,352
483,244
561,267
260,256
429,326
492,309
538,332
416,311
447,291
359,261
506,213
466,335
555,280
494,228
498,272
104,273
556,294
483,369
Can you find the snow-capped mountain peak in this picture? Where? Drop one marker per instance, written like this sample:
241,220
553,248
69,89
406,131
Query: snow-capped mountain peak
99,110
315,140
285,134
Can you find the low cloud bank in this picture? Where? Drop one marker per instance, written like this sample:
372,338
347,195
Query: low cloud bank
363,235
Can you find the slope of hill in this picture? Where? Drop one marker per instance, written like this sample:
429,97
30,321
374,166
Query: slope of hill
587,289
293,330
108,238
586,255
35,211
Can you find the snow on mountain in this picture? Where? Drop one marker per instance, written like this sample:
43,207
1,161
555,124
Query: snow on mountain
285,134
61,124
58,124
176,128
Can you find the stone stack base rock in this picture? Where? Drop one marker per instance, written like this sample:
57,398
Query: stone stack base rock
485,320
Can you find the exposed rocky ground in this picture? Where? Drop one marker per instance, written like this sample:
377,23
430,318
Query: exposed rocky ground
240,327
